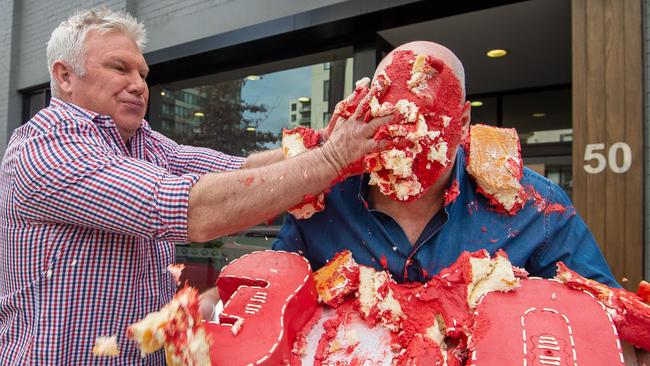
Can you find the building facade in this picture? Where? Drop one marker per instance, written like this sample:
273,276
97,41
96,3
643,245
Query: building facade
231,74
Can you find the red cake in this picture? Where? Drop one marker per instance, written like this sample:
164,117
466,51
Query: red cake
543,323
338,278
295,142
269,296
494,162
425,98
630,313
178,327
644,291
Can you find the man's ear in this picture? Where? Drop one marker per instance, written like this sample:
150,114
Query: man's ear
62,73
465,120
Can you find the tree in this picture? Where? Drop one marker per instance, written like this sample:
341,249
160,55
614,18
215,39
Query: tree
228,121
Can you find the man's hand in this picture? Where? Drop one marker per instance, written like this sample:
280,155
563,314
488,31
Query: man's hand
207,301
352,139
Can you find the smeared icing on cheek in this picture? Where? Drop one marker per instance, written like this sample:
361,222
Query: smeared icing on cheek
425,98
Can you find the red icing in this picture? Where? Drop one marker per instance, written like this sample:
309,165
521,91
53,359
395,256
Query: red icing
338,278
632,315
383,261
644,291
420,351
300,344
274,293
542,204
310,137
554,321
442,97
451,193
331,327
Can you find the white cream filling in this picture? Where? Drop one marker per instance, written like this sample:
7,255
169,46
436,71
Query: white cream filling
398,162
490,275
438,153
292,145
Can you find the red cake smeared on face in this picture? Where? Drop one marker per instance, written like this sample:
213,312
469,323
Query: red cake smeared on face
629,312
426,99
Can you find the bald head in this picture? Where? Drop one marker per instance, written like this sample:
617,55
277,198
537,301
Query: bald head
434,50
422,85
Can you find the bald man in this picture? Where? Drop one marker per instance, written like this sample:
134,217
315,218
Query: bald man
396,216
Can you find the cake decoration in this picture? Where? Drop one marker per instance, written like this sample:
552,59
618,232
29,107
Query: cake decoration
629,312
458,317
547,324
269,296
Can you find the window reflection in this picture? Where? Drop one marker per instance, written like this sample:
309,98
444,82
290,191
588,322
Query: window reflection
244,115
542,119
239,116
541,116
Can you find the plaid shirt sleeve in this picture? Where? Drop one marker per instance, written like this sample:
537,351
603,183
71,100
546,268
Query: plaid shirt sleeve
68,175
185,159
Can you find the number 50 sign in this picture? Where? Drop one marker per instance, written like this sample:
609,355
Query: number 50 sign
597,161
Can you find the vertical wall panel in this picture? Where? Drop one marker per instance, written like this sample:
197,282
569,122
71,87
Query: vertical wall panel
607,110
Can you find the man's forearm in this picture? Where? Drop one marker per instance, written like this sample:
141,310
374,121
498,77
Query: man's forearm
263,158
222,203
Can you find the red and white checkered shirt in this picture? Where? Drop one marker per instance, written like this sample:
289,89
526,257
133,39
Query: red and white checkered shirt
88,228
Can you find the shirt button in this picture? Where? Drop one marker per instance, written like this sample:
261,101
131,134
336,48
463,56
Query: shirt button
74,261
49,273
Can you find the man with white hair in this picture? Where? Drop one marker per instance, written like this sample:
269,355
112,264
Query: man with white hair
93,200
417,212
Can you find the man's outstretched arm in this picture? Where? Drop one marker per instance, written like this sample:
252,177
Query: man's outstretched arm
223,203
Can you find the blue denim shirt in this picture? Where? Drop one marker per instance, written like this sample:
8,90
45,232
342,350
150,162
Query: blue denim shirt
532,238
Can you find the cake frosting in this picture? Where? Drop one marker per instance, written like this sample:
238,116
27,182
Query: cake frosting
494,162
628,310
269,297
644,292
178,328
543,323
425,99
338,278
458,317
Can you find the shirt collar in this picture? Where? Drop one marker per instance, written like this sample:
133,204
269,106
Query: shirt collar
99,119
457,174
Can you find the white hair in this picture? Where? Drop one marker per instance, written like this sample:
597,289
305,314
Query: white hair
66,43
